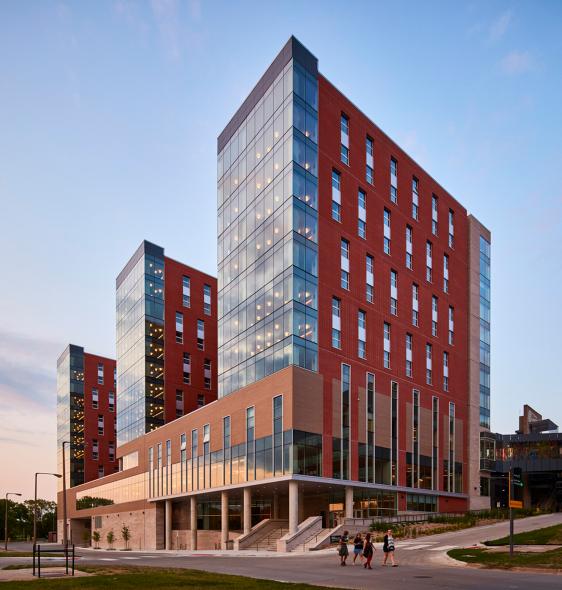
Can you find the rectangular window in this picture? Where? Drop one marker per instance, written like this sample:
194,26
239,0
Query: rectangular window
95,450
415,198
409,346
445,273
370,278
250,444
345,420
207,373
95,399
393,180
450,472
115,377
200,334
362,214
370,459
226,445
186,291
393,292
100,425
183,462
451,229
179,327
409,248
100,373
111,400
434,215
336,195
415,474
344,264
186,368
451,326
278,435
207,299
415,305
386,345
428,261
179,403
428,364
435,444
111,450
344,123
336,322
445,371
386,229
434,317
200,400
361,334
194,460
394,433
101,471
370,160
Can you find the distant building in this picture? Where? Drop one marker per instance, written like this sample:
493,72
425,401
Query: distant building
86,410
536,448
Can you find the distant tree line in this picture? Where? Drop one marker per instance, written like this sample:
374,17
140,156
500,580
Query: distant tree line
20,518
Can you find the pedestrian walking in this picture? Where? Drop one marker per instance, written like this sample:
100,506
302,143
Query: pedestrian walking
368,551
343,551
357,548
388,548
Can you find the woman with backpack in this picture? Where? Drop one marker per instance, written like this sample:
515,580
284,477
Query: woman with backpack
388,548
368,551
343,551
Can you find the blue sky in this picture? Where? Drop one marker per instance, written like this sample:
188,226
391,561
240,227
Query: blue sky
108,123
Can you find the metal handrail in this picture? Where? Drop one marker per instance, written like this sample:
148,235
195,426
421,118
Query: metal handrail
267,539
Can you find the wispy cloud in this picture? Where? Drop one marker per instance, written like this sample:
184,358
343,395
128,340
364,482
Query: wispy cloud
517,62
499,27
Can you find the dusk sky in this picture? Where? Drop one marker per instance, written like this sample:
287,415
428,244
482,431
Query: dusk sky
109,113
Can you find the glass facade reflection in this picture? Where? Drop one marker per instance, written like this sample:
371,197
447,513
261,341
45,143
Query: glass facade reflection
267,228
140,344
484,333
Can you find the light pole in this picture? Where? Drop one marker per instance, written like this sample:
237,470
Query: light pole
6,518
35,504
64,526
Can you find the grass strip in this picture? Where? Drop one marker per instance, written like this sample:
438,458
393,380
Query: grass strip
546,560
551,535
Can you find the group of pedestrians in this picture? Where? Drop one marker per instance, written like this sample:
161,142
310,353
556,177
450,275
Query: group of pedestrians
365,549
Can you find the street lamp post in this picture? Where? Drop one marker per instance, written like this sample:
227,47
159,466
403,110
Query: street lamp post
64,527
6,518
35,504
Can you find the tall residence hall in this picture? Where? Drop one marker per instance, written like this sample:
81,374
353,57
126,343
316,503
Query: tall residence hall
353,342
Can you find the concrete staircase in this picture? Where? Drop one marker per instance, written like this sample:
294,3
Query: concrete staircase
311,541
268,541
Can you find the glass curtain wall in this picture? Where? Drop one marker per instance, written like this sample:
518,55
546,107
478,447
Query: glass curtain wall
267,228
140,348
484,333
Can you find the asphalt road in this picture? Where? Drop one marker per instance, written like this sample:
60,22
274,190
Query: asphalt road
423,564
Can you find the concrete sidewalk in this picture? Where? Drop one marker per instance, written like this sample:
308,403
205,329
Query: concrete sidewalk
26,575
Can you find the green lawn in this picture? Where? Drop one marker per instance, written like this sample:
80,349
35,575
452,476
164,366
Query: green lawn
551,535
132,578
548,560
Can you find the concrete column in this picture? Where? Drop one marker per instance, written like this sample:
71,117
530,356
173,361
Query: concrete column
193,521
224,520
275,510
168,525
293,506
349,502
247,510
301,505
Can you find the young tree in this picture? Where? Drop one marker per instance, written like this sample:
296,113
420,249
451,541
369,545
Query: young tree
126,535
110,539
96,539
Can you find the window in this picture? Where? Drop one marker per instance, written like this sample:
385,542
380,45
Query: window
200,400
101,471
179,403
451,229
361,334
415,198
179,327
445,371
451,325
428,365
186,368
409,345
207,373
250,443
207,299
386,345
95,450
100,373
415,305
434,215
344,264
362,214
386,229
111,400
100,425
428,261
393,180
200,334
95,399
336,322
445,273
434,443
344,122
409,258
186,291
393,292
415,464
434,309
370,278
115,377
278,435
370,165
336,195
111,449
345,420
